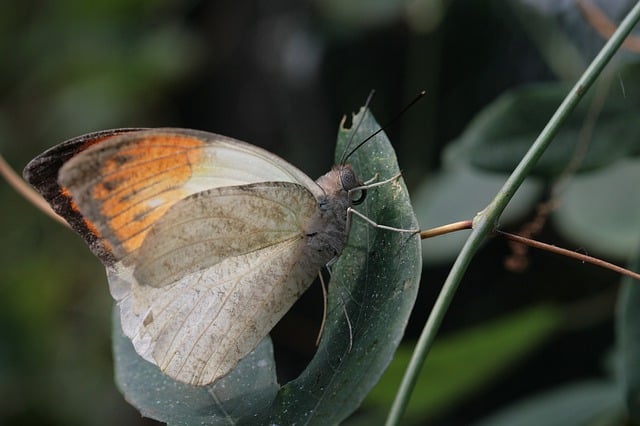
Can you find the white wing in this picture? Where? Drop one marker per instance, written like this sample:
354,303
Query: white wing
214,275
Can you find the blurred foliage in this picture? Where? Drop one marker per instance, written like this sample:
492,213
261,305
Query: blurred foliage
628,344
449,376
582,403
281,75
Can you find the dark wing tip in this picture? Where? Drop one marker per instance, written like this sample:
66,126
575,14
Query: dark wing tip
42,173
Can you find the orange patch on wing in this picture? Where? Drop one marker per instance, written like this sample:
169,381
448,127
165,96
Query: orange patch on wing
141,181
66,194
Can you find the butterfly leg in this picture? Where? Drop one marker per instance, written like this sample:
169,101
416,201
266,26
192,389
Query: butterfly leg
325,312
346,317
351,211
324,307
370,183
366,185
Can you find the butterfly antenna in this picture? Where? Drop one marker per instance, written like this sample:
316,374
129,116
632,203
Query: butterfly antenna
355,130
383,128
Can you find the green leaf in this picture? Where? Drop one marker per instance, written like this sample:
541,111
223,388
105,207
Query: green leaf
371,294
601,210
582,403
564,36
499,136
628,339
248,388
448,376
373,287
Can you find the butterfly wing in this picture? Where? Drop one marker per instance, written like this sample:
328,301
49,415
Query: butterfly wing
226,264
202,258
111,186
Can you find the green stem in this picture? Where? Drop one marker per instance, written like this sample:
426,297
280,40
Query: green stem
484,221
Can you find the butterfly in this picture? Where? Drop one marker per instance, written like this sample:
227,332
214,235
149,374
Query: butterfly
207,240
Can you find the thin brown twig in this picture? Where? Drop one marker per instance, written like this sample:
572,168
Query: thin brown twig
26,191
446,229
568,253
468,224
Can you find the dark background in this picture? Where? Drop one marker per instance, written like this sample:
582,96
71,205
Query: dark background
281,75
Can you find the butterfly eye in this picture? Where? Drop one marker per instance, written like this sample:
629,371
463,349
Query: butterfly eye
348,178
358,197
349,181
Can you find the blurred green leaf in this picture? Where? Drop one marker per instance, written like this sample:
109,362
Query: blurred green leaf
459,364
499,136
551,35
628,335
594,402
564,36
601,210
82,68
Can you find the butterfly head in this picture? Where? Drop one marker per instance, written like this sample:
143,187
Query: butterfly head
342,182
